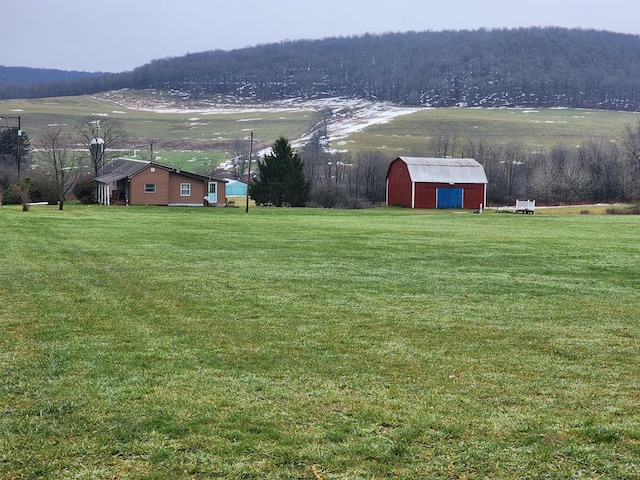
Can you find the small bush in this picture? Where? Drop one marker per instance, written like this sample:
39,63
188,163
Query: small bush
85,190
43,189
36,189
18,193
12,195
329,196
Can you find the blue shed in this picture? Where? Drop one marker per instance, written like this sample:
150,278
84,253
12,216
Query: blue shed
236,188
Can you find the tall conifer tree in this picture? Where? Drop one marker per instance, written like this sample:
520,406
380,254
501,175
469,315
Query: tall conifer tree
281,179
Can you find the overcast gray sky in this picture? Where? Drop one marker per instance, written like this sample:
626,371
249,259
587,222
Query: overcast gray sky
119,35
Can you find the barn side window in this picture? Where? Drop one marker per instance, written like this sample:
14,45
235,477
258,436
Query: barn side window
149,188
185,189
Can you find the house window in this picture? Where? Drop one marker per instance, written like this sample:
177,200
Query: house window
149,188
185,189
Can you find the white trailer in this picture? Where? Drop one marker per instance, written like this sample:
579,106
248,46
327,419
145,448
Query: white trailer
525,206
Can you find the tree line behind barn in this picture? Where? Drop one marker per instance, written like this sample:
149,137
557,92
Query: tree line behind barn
598,170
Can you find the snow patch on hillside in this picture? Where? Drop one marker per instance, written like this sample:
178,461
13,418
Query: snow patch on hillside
337,117
342,117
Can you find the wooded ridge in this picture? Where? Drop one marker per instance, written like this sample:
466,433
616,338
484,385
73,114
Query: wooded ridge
21,76
529,67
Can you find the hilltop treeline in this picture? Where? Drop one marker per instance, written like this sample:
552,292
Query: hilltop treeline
32,76
12,85
534,67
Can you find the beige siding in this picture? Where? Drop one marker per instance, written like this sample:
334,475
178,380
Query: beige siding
199,189
222,193
168,188
150,175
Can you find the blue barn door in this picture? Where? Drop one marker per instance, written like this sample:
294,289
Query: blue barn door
449,198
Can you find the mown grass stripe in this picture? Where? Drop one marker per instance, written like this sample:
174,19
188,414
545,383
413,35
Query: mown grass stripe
178,343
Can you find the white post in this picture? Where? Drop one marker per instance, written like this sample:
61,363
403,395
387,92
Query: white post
387,192
413,195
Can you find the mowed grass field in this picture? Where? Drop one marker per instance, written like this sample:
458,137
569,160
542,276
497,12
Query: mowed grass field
164,343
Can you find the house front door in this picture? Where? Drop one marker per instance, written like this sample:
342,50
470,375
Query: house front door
213,193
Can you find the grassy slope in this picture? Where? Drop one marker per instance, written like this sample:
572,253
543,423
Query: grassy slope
407,134
166,125
295,343
537,129
184,131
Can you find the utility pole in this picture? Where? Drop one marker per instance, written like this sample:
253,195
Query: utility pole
246,210
19,152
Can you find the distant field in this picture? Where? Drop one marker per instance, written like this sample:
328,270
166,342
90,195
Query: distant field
537,129
164,343
159,125
208,135
182,130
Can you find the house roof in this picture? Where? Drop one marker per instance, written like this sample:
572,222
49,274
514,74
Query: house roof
122,168
444,170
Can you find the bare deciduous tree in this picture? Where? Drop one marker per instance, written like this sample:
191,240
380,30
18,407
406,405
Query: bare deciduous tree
543,178
240,157
602,159
444,146
512,162
575,181
631,142
108,132
324,116
490,157
315,159
62,165
371,171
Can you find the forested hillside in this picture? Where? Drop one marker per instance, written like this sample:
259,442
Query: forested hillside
522,67
17,76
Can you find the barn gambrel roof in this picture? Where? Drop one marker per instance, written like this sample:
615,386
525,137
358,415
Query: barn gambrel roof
444,170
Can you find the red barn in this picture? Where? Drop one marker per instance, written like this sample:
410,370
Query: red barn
417,182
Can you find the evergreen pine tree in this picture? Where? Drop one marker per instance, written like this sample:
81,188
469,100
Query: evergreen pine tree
281,180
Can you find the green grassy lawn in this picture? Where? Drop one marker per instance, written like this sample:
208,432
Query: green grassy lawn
166,343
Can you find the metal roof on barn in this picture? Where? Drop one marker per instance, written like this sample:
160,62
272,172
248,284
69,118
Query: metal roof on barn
444,170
